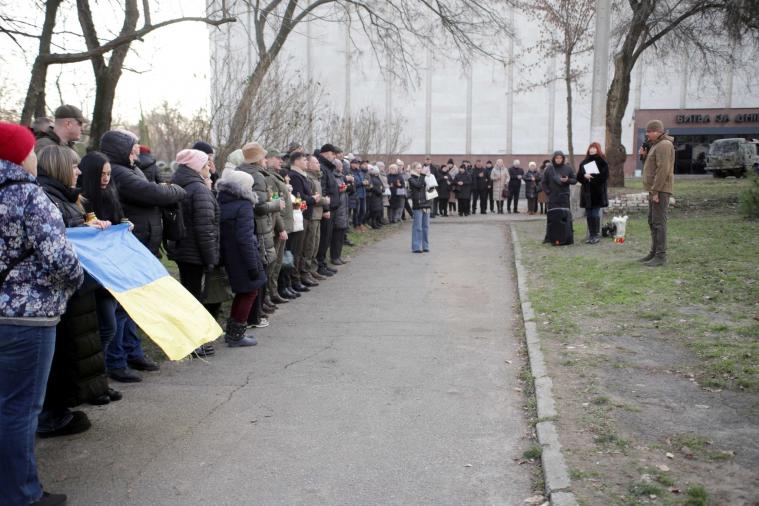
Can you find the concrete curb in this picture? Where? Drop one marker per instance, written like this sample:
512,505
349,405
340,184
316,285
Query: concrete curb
558,484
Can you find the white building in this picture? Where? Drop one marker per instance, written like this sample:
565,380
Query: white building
452,109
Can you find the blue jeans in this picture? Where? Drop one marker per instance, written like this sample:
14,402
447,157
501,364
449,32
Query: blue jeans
359,213
25,357
106,310
593,212
125,344
420,230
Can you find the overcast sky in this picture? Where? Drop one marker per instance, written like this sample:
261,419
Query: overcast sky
173,62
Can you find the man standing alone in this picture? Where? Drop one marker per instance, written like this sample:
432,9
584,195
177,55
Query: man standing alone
658,177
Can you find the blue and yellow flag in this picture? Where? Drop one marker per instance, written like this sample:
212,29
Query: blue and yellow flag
157,302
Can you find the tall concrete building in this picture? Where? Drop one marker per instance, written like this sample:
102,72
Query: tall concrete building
479,107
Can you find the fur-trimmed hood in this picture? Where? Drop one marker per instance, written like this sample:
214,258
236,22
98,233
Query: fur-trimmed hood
234,191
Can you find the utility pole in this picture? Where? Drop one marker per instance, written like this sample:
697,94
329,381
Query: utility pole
428,106
510,96
600,72
551,105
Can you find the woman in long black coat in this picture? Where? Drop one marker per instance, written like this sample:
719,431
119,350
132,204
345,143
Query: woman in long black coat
239,251
594,195
376,190
77,373
444,182
462,186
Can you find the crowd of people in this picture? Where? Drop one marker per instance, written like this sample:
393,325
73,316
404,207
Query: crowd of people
267,229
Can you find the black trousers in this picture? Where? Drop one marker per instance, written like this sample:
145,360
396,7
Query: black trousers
490,198
483,201
325,237
452,205
337,242
442,207
513,197
464,207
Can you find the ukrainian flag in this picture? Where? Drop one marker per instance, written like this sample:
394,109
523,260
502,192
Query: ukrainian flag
157,302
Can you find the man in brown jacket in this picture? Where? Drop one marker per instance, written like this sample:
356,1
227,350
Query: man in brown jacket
658,176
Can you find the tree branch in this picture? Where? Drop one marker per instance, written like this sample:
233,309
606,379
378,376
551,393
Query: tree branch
58,58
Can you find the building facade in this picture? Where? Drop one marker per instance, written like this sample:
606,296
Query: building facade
476,107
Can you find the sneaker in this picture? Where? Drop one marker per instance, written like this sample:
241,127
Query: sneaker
50,500
262,324
143,364
79,423
125,375
205,350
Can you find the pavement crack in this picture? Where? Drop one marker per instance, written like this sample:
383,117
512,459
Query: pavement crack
309,357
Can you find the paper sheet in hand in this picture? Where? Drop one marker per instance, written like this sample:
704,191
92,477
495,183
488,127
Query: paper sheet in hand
591,167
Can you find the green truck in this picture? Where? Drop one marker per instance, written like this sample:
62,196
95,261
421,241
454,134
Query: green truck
733,157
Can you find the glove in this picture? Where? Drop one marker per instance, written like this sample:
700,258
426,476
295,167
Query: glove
253,274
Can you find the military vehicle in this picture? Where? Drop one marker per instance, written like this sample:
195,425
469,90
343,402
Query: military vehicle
733,157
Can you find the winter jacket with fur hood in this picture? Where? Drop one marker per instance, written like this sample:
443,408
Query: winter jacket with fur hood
240,250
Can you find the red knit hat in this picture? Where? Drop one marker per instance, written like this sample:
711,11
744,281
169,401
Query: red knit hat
16,142
144,149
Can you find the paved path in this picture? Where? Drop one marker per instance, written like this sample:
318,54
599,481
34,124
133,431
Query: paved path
388,385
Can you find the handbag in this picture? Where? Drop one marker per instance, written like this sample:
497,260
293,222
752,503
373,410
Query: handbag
505,192
431,194
173,223
297,220
401,192
288,260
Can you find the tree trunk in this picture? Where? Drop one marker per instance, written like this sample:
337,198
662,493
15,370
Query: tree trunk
616,104
105,92
239,123
568,80
34,103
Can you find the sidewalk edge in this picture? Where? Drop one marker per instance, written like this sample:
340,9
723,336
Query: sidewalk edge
557,481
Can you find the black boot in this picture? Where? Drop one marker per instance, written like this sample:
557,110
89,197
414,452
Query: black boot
594,230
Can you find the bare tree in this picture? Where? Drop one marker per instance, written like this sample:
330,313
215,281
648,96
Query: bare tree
106,74
389,26
564,33
169,131
369,133
644,24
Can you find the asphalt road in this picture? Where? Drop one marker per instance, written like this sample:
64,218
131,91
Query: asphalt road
389,384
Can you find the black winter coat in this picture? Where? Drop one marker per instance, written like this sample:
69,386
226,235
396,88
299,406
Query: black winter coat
65,199
329,184
464,191
302,190
140,199
418,187
444,182
514,182
147,164
481,179
558,191
594,192
200,210
239,243
375,192
77,373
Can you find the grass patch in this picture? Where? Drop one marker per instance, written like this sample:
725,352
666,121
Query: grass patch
533,452
696,495
705,298
699,447
645,489
696,193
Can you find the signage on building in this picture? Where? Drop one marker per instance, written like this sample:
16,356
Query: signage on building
748,117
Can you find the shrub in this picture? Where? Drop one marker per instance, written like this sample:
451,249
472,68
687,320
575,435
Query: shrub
749,199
